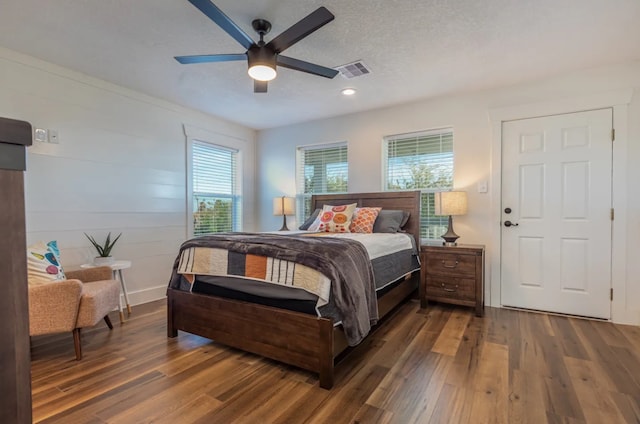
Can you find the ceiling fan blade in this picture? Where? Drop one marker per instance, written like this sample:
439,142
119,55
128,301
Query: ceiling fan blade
223,21
205,58
301,29
260,86
301,65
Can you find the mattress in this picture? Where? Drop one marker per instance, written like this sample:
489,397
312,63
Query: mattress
392,255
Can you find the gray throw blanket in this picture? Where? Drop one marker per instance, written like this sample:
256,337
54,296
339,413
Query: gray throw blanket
345,262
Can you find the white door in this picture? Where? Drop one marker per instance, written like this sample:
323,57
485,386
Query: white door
556,213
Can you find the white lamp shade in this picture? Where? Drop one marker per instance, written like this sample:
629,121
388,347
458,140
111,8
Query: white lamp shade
451,203
284,206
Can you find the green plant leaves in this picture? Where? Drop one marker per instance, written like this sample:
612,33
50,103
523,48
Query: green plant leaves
104,250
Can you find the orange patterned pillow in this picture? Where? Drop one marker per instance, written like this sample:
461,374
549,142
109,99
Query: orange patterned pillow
334,219
363,219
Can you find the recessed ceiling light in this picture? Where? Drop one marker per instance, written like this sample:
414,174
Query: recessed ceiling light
348,91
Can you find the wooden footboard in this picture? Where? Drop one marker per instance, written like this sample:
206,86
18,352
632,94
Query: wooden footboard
293,338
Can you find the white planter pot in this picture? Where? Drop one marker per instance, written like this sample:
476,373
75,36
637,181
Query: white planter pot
103,260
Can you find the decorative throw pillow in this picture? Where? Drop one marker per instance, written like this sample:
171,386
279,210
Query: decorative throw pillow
334,219
43,263
363,220
306,224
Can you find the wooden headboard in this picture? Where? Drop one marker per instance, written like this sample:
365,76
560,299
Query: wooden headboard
400,200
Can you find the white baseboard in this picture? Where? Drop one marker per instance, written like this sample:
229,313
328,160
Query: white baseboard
146,295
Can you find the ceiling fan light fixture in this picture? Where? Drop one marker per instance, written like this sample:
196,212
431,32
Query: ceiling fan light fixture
348,91
262,72
262,63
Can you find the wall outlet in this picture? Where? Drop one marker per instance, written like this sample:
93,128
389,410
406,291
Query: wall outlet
53,137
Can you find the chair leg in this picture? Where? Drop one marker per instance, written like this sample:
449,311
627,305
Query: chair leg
76,343
108,321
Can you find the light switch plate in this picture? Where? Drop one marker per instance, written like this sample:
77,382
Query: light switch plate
40,134
482,187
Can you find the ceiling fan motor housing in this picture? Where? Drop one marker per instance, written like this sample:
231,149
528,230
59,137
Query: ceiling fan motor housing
261,56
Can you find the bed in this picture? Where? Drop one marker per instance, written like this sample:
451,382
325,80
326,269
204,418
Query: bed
295,338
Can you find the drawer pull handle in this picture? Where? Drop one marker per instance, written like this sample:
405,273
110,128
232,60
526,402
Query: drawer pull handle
448,289
449,266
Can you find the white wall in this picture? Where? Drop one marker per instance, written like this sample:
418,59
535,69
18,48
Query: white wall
119,166
469,115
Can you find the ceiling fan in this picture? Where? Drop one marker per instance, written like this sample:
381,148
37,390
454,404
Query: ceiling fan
262,57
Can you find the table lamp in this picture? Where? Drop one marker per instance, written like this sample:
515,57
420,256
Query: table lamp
450,203
283,206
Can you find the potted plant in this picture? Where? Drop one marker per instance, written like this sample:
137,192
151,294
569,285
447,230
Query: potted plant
104,250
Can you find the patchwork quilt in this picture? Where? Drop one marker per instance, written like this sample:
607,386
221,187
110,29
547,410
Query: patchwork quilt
222,262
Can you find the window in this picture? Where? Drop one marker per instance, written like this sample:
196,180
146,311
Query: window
320,169
215,191
421,161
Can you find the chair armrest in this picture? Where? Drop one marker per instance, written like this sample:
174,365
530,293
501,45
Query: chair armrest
53,307
87,275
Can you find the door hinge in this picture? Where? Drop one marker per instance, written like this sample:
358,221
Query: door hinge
611,294
612,214
613,134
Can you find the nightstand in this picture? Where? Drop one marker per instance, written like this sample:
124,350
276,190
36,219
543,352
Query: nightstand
452,274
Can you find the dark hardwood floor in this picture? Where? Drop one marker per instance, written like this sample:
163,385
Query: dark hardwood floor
439,365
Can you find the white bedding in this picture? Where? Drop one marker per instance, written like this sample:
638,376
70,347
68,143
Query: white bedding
379,244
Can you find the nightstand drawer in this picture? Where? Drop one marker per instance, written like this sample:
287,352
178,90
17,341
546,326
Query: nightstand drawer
451,264
453,288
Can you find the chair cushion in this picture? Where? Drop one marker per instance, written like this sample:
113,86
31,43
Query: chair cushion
97,300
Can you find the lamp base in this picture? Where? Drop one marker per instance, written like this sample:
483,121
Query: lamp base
450,236
284,224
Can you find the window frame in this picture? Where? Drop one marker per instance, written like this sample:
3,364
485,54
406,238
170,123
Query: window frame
237,184
427,196
303,198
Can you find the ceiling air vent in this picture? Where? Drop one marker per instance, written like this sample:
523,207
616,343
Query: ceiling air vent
353,69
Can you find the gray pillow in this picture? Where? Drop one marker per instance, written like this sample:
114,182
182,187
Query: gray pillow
306,224
389,221
405,218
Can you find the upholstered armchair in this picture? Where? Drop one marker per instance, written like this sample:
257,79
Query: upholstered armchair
82,300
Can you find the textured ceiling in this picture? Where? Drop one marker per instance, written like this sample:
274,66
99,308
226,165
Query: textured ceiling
415,48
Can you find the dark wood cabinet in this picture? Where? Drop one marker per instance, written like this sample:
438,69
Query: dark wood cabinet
453,274
15,372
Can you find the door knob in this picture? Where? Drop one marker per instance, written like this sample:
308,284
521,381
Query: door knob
510,224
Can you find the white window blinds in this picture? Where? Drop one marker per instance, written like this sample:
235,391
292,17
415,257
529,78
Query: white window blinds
421,161
320,169
215,189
